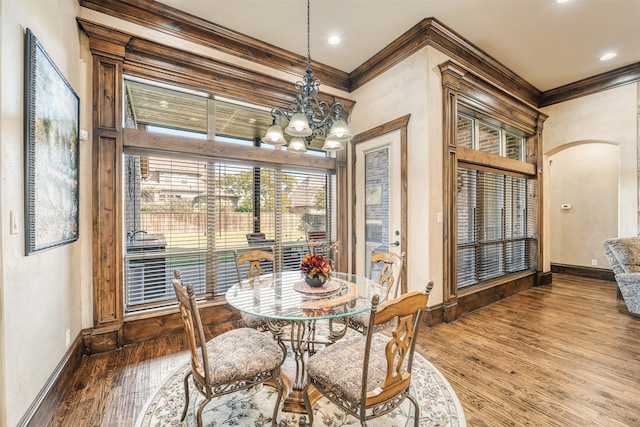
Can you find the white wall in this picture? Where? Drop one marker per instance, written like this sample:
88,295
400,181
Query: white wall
585,177
610,116
41,293
413,87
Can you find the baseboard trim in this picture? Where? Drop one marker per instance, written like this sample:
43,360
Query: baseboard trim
543,278
580,271
433,315
41,411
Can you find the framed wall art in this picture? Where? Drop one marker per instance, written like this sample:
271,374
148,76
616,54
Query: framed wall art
51,152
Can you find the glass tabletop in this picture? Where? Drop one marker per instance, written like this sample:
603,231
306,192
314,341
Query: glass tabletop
286,296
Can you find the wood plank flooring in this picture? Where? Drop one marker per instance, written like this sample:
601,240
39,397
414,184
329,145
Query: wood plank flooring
559,355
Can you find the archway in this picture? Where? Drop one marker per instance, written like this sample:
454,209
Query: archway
583,202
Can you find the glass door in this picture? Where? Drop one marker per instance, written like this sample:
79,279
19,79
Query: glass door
378,198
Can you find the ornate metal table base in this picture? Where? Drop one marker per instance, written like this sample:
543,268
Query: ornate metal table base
304,338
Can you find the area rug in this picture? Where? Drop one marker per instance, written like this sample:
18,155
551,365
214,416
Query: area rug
439,405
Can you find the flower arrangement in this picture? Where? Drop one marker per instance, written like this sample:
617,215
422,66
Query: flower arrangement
316,267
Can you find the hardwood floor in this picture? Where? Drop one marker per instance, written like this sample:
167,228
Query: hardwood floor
558,355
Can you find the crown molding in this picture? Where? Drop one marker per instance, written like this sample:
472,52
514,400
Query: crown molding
609,80
431,32
427,32
160,17
145,58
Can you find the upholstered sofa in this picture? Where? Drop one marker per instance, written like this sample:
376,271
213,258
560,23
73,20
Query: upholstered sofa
624,256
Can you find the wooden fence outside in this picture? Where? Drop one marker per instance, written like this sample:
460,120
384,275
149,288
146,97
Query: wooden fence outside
196,222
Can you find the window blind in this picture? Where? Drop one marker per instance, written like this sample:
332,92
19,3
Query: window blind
496,225
195,215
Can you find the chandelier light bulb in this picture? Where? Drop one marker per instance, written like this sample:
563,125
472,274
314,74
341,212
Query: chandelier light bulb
274,136
298,126
332,144
297,145
340,131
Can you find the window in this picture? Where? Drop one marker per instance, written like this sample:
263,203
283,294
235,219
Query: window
492,153
496,209
490,138
191,212
495,232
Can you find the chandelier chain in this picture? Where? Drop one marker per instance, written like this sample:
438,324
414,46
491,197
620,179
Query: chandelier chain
309,115
308,33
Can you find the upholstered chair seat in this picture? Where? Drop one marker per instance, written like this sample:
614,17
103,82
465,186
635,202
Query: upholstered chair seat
252,321
233,356
369,375
360,321
234,360
345,378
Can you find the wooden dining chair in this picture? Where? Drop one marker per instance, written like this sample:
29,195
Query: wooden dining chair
257,260
257,239
370,375
235,360
390,265
316,236
318,240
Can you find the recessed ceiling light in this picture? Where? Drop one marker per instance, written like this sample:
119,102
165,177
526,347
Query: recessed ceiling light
164,104
608,56
562,1
334,40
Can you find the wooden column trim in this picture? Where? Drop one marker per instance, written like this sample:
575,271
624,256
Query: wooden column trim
450,220
108,48
342,204
105,41
537,143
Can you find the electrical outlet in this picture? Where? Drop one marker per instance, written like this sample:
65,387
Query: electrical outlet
68,337
594,262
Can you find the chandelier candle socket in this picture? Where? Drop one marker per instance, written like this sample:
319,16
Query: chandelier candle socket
309,116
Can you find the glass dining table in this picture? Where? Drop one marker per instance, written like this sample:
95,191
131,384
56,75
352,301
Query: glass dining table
303,317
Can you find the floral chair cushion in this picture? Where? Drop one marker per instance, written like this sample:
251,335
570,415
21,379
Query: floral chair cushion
339,366
360,322
251,321
233,356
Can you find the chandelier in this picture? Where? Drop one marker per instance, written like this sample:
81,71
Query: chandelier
309,116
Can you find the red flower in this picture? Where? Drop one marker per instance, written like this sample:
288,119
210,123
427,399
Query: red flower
316,266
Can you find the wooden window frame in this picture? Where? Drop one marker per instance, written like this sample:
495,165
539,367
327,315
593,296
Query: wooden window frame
467,92
116,54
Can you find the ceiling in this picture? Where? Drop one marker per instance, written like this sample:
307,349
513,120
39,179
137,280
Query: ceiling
546,43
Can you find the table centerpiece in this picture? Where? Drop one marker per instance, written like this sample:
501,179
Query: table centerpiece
317,267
